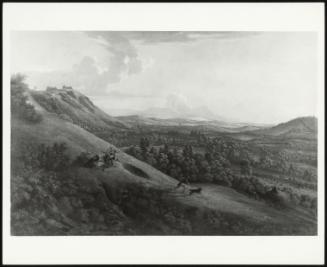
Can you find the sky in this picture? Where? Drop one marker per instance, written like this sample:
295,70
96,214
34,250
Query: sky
258,77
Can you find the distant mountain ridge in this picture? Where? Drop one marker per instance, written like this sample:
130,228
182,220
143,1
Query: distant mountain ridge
178,106
298,126
199,113
215,125
77,108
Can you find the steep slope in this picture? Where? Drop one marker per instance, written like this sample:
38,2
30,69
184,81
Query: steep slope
75,107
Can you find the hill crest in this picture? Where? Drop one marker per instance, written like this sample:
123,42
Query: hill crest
298,126
73,106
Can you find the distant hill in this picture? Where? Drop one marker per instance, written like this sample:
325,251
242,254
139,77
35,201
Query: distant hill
303,126
72,106
199,113
177,106
214,125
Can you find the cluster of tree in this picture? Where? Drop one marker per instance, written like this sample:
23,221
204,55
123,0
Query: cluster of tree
286,179
310,159
216,165
132,137
55,158
281,163
259,157
255,188
19,101
181,164
200,137
309,176
213,166
57,201
275,163
300,199
52,105
47,157
89,160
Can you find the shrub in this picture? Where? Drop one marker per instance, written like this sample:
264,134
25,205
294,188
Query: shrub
19,105
53,158
87,160
81,159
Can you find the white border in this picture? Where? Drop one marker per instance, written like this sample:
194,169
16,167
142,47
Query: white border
162,250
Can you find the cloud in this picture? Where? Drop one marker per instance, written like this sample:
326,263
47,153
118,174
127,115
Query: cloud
122,59
124,38
150,37
178,102
84,76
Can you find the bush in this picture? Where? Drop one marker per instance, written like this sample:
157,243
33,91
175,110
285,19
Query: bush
81,159
19,105
50,158
85,159
53,158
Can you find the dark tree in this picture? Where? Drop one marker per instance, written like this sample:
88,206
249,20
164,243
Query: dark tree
19,100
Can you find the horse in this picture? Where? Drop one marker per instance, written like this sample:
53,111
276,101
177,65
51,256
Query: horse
183,183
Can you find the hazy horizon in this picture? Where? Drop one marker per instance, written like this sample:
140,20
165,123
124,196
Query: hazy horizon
258,77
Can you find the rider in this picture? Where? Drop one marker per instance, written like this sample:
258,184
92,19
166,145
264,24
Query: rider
109,157
112,155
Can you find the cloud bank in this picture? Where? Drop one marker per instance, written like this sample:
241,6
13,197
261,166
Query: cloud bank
122,58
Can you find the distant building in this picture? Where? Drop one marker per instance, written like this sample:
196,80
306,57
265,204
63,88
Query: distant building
64,87
51,89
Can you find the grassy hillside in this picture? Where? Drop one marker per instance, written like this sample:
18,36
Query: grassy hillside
74,107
